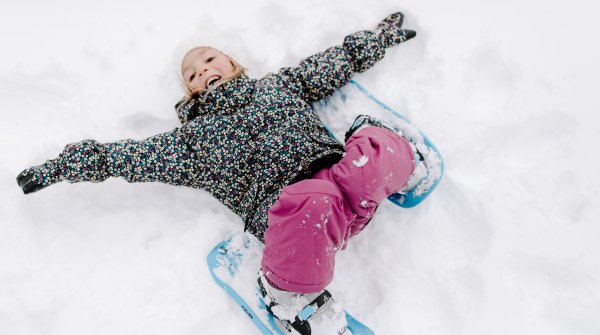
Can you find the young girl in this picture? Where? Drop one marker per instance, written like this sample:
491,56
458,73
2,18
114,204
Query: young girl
259,148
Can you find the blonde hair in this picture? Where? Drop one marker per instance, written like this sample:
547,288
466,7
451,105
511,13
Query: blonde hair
238,71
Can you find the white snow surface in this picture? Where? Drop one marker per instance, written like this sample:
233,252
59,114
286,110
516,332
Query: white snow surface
507,244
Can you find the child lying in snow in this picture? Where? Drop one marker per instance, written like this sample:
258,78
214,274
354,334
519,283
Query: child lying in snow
258,147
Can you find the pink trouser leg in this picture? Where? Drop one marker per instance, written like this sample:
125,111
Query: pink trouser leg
314,218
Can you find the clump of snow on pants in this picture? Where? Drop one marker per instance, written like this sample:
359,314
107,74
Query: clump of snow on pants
361,161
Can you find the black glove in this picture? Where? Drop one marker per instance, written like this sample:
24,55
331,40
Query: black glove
38,177
390,33
79,161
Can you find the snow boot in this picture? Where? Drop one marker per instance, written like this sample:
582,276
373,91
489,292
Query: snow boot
421,170
303,314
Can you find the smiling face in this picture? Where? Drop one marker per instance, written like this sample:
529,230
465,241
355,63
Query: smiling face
204,67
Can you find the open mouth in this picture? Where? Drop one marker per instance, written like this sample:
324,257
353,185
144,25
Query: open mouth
212,80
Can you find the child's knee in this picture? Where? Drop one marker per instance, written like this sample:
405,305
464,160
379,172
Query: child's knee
378,162
376,139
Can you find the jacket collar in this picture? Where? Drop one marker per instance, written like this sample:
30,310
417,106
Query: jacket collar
228,97
224,99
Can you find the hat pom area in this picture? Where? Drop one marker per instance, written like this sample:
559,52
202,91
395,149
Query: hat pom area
208,35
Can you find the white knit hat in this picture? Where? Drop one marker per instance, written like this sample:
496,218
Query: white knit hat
227,42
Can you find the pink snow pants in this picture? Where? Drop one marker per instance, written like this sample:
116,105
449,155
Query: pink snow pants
314,218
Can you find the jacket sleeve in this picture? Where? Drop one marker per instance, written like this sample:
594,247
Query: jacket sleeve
317,76
164,158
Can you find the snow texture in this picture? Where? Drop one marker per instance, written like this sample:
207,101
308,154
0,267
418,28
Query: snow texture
507,244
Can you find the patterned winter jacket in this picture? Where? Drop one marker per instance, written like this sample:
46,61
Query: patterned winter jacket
243,142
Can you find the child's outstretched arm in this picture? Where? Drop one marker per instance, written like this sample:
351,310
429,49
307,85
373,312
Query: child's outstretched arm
165,158
317,76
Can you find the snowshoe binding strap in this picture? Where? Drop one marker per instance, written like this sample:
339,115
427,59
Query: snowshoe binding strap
299,323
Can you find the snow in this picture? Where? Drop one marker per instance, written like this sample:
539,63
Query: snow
506,244
362,160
